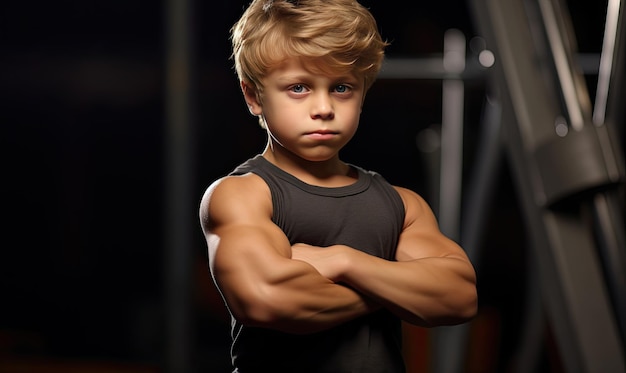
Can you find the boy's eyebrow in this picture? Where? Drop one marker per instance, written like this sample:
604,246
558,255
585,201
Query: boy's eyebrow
293,77
307,77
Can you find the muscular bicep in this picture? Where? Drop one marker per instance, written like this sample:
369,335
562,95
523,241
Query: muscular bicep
248,264
247,252
421,236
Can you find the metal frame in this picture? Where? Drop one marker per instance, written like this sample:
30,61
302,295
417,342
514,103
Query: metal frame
563,165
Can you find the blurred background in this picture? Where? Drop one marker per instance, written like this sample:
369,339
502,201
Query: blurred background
98,185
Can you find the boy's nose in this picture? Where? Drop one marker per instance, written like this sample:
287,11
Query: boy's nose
322,107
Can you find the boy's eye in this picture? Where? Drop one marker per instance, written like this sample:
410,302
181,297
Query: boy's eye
342,88
298,88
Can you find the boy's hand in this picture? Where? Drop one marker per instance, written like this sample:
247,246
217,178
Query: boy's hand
331,262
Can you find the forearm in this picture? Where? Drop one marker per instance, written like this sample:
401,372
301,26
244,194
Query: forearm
296,299
428,292
310,311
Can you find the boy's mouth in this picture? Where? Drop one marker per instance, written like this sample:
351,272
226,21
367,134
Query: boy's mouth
322,134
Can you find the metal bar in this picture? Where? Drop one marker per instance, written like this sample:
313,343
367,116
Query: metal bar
608,114
432,67
448,342
180,209
451,342
452,136
607,59
481,185
608,219
615,117
563,66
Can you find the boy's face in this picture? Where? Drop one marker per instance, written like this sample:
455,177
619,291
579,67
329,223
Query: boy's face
309,114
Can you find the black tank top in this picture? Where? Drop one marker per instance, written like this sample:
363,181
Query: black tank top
367,215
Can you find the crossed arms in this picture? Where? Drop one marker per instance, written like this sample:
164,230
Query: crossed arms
266,282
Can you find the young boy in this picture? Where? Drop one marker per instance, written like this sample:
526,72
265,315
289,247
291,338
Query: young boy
319,260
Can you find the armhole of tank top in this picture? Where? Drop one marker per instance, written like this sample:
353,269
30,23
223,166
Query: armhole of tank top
273,188
396,199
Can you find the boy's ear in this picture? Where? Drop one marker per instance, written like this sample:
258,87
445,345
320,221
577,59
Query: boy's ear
251,96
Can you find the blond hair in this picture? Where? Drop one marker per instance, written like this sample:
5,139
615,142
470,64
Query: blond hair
341,34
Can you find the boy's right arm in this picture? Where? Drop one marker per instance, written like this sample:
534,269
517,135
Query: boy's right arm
250,261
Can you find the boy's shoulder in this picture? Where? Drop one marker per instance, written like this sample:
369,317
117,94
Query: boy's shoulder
241,185
235,196
240,178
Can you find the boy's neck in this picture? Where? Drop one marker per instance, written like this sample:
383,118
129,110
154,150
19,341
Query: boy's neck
329,173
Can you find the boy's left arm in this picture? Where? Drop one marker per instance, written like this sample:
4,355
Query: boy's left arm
431,283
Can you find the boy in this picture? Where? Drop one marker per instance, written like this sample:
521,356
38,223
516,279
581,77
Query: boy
318,260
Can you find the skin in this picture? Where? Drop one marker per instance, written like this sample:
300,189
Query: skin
302,289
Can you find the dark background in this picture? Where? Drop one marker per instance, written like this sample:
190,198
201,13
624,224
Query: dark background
83,144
